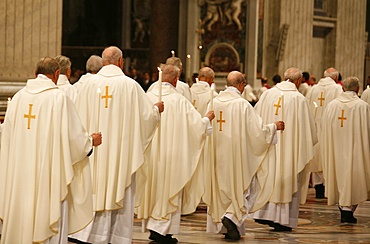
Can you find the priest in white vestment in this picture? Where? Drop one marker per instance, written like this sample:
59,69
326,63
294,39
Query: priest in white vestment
93,65
201,91
117,106
240,142
45,182
181,87
318,98
282,177
201,96
304,87
173,159
64,76
345,143
366,95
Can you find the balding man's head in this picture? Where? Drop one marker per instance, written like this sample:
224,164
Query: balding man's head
235,78
294,75
206,74
332,73
112,55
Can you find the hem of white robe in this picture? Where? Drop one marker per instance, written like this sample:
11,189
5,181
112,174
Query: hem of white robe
170,226
317,178
102,222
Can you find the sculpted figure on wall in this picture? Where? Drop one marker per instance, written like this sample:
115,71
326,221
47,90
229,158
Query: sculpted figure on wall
225,11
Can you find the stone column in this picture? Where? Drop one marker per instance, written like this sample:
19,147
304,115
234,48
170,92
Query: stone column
350,38
252,43
164,23
29,30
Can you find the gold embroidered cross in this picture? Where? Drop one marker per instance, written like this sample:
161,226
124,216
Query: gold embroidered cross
194,102
277,106
342,118
321,98
29,116
106,96
221,121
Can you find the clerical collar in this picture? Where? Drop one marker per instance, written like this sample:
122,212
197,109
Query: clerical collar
42,76
168,84
203,82
233,89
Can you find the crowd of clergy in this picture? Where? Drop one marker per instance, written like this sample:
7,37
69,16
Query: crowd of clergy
79,162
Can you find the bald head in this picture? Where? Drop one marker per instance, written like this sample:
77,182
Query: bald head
112,55
235,78
351,84
206,74
332,73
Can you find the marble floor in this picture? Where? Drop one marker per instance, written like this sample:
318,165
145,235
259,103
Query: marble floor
318,223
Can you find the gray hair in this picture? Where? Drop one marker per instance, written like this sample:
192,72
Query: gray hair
293,74
332,73
169,72
234,78
111,55
174,61
64,63
206,72
351,84
94,64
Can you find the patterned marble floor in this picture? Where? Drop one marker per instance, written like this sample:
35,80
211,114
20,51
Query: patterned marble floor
318,223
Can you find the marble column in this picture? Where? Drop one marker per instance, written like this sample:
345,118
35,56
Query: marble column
164,23
350,39
29,30
252,43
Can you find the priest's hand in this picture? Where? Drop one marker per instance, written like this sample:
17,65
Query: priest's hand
160,106
96,138
280,125
210,115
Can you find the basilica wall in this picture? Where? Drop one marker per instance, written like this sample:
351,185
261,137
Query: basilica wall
258,37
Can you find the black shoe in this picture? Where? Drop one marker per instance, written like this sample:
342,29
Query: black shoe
167,239
232,230
279,227
265,222
347,217
320,191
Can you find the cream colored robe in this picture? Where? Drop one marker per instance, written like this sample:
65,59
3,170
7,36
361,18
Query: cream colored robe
127,120
181,87
329,90
239,146
44,165
64,85
345,150
173,160
201,95
366,96
84,78
248,94
279,173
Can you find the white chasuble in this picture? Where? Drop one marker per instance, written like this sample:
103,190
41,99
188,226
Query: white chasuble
115,105
345,143
64,85
200,96
322,94
366,95
43,163
279,173
173,158
234,152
